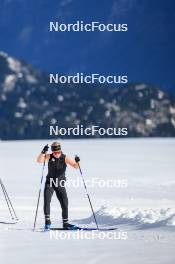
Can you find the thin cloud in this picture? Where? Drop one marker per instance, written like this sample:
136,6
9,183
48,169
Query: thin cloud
121,7
65,3
25,34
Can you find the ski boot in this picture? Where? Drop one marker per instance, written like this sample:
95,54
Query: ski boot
67,226
47,225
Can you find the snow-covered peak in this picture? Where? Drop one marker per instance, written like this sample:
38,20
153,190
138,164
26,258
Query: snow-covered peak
3,54
143,109
14,65
14,71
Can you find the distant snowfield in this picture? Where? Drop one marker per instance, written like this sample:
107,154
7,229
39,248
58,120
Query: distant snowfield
144,208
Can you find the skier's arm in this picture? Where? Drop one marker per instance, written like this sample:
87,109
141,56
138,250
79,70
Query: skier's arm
72,162
41,157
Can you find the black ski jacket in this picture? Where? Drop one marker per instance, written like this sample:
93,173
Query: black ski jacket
56,167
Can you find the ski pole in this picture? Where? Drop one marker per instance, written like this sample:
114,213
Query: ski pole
88,195
42,175
6,200
9,203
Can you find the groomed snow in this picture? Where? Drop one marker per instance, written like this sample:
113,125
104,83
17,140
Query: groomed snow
143,210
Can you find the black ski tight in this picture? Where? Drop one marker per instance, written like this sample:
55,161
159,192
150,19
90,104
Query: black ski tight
62,197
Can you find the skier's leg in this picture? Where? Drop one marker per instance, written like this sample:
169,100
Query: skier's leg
48,192
63,199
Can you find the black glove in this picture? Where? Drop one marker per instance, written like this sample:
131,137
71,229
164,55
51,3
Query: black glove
77,159
45,149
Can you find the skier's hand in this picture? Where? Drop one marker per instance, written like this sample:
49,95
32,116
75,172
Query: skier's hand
77,159
45,149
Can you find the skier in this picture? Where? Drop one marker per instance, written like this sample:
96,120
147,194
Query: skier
57,163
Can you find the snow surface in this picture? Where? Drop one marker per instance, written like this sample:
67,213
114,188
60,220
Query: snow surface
143,210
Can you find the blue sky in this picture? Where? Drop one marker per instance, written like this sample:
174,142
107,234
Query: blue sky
145,53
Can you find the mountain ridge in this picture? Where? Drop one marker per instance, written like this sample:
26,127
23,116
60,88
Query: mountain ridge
29,105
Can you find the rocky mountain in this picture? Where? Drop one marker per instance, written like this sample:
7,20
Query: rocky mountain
29,105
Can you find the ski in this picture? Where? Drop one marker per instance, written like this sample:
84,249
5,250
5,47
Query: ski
83,229
59,229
